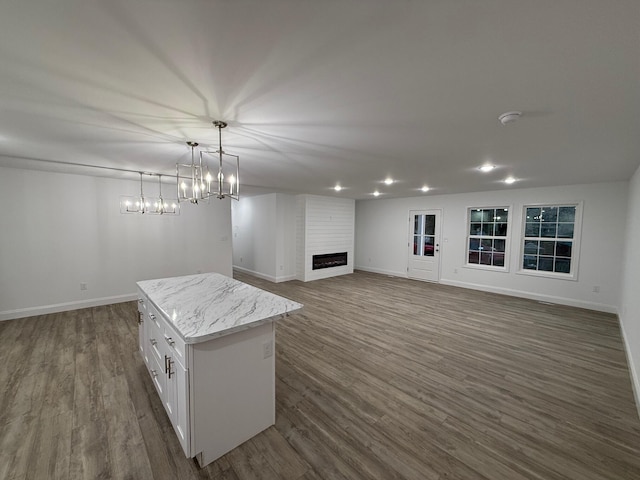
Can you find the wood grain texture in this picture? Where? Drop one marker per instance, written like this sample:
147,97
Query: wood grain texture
377,378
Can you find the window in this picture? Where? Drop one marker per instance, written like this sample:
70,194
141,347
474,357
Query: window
424,234
549,245
487,239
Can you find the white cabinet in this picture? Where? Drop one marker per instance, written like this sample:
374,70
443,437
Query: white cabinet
218,393
168,369
209,342
142,336
178,403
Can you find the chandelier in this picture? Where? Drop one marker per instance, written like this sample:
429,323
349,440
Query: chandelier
196,181
150,205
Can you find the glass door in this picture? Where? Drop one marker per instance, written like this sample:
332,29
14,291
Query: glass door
424,245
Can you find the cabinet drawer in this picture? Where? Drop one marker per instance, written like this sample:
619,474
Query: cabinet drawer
155,334
156,370
161,332
142,303
176,344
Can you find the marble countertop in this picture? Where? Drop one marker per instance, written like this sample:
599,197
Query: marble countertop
209,305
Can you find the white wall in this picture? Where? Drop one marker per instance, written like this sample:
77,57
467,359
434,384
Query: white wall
264,236
630,296
276,235
327,227
382,235
286,237
254,235
58,230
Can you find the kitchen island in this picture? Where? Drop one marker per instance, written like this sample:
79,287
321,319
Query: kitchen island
208,342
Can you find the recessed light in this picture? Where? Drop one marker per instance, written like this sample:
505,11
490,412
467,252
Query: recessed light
337,188
509,180
388,181
486,168
425,189
376,193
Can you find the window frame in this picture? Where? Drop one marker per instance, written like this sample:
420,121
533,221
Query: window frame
507,239
575,247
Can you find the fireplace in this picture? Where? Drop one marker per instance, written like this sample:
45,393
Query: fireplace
329,260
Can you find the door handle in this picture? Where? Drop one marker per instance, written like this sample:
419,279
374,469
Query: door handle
168,363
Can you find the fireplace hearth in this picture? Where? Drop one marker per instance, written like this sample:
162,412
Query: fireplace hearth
329,260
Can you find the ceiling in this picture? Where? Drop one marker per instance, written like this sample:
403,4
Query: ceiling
319,93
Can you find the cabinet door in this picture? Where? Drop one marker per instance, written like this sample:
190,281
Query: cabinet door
178,404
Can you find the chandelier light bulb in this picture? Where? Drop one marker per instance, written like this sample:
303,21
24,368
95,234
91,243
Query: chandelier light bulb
388,181
509,180
337,188
425,189
376,193
486,168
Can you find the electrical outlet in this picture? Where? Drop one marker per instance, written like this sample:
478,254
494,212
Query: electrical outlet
267,349
596,289
83,286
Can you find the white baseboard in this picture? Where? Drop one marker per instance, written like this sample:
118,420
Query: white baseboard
271,278
380,271
63,307
285,278
633,373
600,307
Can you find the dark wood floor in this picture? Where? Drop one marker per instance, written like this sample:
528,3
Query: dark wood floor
378,378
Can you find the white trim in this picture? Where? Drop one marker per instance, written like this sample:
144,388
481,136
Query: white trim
546,274
285,278
439,214
507,240
381,271
576,240
64,307
489,268
601,307
635,380
258,274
